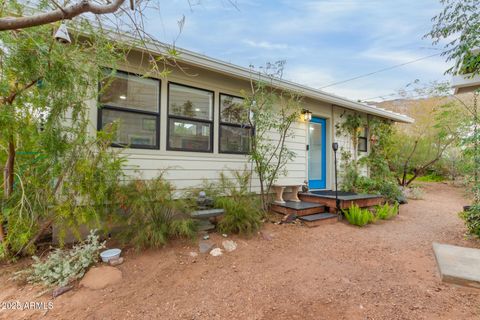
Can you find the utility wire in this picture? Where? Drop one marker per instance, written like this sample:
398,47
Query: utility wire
381,70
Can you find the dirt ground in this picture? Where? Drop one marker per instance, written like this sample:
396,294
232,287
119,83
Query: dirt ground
336,271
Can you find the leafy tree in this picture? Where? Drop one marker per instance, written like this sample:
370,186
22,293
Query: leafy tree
423,144
458,24
271,113
54,171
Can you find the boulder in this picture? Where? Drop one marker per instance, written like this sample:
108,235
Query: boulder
229,245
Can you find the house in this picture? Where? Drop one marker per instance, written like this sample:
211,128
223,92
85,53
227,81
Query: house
176,124
465,81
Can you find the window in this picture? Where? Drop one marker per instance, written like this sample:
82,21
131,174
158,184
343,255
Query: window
235,130
363,140
190,118
133,102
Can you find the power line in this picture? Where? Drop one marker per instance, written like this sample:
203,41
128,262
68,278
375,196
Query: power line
381,70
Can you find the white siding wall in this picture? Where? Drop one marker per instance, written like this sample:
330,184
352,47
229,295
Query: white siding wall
345,141
188,169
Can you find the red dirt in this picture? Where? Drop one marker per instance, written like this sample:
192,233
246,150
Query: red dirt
335,271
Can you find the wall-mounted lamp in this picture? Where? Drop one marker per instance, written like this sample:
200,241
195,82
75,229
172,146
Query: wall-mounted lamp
373,139
307,115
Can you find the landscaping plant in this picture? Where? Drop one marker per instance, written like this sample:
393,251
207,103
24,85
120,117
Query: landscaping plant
55,172
64,266
243,215
243,209
152,216
273,114
358,216
386,211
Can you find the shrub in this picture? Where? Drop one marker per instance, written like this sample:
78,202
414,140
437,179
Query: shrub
358,216
242,214
153,216
472,219
64,266
386,211
414,193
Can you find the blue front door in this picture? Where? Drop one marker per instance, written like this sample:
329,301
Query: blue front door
317,166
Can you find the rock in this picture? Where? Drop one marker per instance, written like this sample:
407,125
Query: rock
193,254
101,277
266,236
229,245
115,262
224,235
205,246
216,252
206,237
289,218
61,290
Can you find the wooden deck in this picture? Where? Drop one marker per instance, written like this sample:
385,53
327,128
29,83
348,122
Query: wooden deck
327,198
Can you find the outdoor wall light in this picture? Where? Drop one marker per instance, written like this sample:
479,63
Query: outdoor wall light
373,139
307,115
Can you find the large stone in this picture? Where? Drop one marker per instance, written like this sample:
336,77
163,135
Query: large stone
101,277
229,245
205,246
458,265
216,252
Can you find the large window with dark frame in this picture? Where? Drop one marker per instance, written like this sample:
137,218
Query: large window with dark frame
363,140
190,118
133,102
235,129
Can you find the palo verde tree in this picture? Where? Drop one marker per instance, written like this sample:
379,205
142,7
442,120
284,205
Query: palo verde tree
423,143
272,113
54,172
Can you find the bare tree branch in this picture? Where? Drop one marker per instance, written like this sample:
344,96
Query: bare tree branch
68,12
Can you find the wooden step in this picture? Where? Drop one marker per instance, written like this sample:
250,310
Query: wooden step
298,208
315,220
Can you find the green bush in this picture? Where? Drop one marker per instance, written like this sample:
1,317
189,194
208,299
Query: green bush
243,209
472,219
63,266
386,211
358,216
242,214
152,215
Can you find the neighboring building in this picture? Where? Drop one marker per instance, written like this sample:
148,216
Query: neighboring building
465,81
178,124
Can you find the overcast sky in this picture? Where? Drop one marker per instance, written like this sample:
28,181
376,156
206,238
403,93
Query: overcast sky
322,41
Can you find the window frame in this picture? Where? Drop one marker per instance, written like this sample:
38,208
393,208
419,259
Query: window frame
235,125
211,122
134,111
361,138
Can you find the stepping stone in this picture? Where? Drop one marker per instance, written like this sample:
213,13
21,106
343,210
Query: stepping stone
205,246
458,265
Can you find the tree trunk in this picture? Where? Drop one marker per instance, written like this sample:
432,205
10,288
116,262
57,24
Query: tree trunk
8,173
8,178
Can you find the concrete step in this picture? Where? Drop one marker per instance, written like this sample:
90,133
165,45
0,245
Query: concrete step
298,208
315,220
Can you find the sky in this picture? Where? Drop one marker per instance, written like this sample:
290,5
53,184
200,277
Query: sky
322,41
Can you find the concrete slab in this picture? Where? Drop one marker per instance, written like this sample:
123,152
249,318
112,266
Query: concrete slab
458,265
